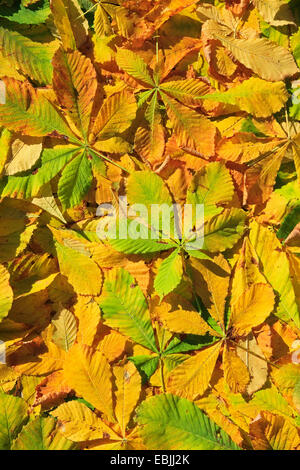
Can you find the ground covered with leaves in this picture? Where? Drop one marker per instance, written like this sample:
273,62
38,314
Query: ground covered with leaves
147,344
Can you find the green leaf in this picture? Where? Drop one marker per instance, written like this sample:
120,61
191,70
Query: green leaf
28,186
134,65
41,434
256,96
169,274
13,414
289,223
124,307
133,245
26,15
211,186
146,365
172,423
75,181
223,231
140,246
145,187
32,58
274,265
189,343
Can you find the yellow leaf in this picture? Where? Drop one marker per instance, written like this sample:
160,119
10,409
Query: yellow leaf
266,58
65,331
78,423
74,266
186,322
75,85
258,368
272,432
275,267
50,361
211,280
89,373
246,271
235,371
191,378
115,115
275,12
192,130
252,308
128,389
25,151
70,22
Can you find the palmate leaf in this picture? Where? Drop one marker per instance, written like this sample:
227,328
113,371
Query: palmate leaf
13,415
258,97
42,434
124,307
172,423
32,58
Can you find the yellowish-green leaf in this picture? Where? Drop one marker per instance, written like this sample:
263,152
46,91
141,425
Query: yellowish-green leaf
256,96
